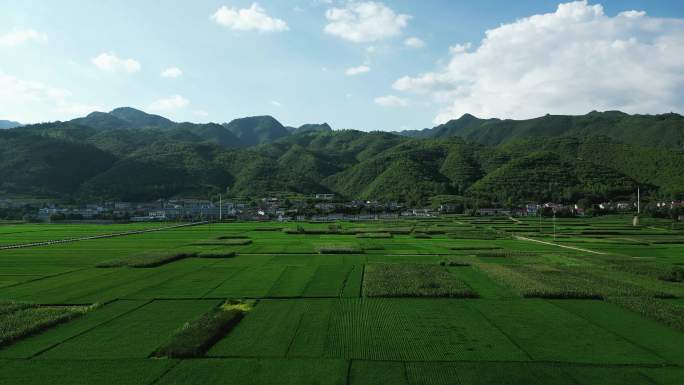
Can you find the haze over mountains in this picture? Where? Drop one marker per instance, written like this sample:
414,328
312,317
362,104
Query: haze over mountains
127,154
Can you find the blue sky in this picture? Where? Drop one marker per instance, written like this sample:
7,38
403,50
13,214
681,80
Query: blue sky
387,65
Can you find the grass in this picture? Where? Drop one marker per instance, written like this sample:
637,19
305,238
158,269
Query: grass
413,280
194,338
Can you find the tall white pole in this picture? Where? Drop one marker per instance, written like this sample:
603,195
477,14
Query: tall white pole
220,208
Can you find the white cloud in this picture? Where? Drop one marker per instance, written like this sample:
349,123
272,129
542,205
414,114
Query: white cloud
30,101
171,72
363,22
171,103
109,62
18,37
253,18
414,42
353,71
391,101
276,103
572,61
201,113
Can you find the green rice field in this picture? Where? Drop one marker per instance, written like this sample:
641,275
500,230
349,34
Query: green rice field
448,300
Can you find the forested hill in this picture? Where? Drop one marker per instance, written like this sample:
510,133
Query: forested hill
665,130
129,155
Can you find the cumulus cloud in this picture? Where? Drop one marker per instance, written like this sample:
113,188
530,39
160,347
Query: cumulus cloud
18,37
30,101
364,22
171,103
414,42
571,61
109,62
171,72
253,18
391,101
353,71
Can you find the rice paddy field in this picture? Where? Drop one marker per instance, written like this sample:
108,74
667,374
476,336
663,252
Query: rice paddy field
449,300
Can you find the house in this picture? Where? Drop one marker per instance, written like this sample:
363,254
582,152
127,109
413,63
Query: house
532,209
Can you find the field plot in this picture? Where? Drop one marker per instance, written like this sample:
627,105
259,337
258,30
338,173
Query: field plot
451,300
131,335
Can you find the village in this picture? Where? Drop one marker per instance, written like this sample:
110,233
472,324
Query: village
317,207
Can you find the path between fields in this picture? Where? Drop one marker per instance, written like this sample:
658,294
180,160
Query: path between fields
563,246
101,236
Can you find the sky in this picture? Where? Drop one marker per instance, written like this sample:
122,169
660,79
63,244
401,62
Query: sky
368,65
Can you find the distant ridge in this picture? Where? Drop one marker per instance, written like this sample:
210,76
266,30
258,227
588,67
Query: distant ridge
127,154
9,124
666,130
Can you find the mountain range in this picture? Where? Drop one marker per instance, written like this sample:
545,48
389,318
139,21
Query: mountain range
127,154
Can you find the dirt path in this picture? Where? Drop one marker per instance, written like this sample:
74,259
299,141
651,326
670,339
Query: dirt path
563,246
131,232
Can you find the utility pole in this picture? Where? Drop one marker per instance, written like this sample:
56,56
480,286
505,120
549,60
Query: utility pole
635,221
220,208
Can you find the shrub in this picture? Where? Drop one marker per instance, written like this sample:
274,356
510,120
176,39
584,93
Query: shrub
196,337
216,254
338,249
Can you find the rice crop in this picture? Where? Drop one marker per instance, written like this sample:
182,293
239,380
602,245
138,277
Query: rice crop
232,236
413,280
660,310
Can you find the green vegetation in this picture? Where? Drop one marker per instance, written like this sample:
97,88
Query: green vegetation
18,321
197,336
132,156
412,280
483,308
338,249
147,259
225,242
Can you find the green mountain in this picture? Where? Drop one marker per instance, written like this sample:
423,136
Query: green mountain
8,124
257,130
123,117
129,155
665,130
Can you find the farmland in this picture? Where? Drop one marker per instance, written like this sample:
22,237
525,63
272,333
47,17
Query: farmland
449,300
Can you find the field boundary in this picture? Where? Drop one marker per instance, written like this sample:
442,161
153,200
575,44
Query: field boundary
90,328
102,236
555,244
